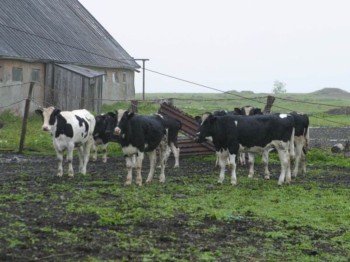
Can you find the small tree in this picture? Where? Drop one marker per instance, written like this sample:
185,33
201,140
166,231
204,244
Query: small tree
279,87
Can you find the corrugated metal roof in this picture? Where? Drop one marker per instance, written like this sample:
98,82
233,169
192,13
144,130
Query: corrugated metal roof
62,31
82,70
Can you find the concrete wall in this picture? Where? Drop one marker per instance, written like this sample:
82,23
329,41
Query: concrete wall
14,93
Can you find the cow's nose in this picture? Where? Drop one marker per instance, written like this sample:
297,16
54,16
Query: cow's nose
117,131
45,128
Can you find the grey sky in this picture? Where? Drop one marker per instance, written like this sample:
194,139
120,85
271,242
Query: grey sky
231,44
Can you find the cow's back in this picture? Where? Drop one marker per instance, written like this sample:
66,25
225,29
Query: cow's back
260,130
81,121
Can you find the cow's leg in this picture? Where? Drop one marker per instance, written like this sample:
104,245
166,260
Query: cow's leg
265,160
59,155
139,159
176,152
166,155
129,165
232,160
303,163
163,148
104,150
152,161
95,149
222,157
283,153
251,160
242,159
299,143
86,155
70,149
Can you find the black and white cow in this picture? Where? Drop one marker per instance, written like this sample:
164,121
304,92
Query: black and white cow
69,129
230,134
103,133
140,134
173,127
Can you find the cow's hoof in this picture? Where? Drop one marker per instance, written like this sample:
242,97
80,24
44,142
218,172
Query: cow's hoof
233,183
267,177
250,176
127,183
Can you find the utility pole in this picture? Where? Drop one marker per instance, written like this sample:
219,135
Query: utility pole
143,75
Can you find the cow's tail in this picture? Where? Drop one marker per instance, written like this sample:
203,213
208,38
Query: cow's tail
291,145
307,140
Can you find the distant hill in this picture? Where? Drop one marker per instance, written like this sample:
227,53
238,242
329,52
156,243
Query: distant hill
331,92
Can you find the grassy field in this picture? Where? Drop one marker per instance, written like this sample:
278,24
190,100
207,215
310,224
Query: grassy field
189,218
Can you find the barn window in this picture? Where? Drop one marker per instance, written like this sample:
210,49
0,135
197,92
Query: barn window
115,78
36,75
124,77
17,74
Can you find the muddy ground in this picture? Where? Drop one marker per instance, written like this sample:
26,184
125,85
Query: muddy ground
30,239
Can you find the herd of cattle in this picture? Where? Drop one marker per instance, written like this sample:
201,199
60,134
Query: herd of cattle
234,133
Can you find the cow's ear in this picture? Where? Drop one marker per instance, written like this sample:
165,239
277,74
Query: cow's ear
111,114
212,118
130,114
198,119
56,111
237,110
257,111
39,111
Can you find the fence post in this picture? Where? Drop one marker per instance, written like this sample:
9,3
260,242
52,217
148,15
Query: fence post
25,118
134,106
269,103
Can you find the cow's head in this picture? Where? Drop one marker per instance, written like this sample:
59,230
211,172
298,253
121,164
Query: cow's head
48,115
123,116
105,123
248,111
206,123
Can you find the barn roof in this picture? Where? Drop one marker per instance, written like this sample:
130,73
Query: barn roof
61,31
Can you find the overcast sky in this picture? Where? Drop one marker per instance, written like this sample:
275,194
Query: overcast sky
233,45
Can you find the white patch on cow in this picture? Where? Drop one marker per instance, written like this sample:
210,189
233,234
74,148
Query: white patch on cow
283,115
204,117
120,113
130,150
247,110
209,138
236,123
46,116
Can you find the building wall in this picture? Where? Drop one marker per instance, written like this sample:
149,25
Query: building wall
14,93
118,84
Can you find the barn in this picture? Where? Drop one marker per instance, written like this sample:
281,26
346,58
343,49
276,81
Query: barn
72,59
